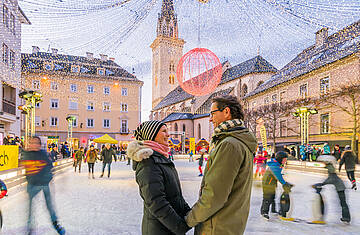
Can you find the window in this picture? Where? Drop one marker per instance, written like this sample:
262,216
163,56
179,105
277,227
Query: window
53,121
274,98
254,104
106,123
54,86
244,90
73,104
172,79
90,122
90,106
124,107
199,131
266,100
303,91
106,90
124,126
124,91
176,127
12,59
37,121
324,86
54,103
282,96
37,105
106,106
324,124
283,128
6,16
48,66
12,23
75,68
90,89
75,121
73,87
100,72
5,54
36,84
184,128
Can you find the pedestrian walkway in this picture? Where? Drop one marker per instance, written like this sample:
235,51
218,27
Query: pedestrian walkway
106,206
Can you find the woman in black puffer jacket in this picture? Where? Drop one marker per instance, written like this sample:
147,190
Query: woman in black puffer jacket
159,184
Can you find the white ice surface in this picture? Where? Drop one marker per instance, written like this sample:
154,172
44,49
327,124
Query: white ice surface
113,206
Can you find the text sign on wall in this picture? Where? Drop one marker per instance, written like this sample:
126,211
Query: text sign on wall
9,157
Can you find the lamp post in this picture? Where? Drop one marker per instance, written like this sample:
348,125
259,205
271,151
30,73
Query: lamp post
31,99
304,114
70,119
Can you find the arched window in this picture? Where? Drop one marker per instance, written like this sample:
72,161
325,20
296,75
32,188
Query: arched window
244,90
176,127
184,128
199,131
260,83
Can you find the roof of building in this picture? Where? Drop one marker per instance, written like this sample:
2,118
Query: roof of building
37,62
183,116
254,65
338,46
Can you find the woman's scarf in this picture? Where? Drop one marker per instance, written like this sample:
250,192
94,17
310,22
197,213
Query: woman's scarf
160,148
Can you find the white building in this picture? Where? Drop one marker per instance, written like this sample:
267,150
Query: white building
10,66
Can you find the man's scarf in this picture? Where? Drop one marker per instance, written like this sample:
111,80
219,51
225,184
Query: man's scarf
225,126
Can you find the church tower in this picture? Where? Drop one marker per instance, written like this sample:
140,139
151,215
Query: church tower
167,49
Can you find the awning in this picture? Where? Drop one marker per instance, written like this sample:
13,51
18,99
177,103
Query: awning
105,139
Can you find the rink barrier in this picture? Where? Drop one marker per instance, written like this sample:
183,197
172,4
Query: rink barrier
16,176
316,167
186,156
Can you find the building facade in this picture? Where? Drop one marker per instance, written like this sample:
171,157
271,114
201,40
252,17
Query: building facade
12,17
315,78
103,97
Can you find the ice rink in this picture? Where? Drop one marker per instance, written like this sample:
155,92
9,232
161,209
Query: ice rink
113,206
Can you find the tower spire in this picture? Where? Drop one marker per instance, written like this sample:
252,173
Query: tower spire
167,20
167,10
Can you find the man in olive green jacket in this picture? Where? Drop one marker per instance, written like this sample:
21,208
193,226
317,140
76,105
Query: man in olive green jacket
224,202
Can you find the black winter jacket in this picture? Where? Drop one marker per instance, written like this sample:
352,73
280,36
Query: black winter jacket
38,167
349,159
107,154
164,205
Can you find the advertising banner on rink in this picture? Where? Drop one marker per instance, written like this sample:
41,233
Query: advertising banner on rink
9,157
192,145
261,126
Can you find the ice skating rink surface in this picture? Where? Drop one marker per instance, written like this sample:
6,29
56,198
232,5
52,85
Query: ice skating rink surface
107,206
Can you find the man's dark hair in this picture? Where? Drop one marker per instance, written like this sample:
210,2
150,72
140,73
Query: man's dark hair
37,138
232,102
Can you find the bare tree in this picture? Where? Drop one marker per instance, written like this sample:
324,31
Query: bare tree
272,114
346,99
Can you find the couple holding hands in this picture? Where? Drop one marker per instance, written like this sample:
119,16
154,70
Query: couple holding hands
224,200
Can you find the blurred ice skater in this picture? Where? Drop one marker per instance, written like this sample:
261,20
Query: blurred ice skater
38,167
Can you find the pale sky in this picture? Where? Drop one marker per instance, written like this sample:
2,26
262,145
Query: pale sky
233,29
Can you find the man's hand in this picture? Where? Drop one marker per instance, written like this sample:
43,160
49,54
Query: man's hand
287,187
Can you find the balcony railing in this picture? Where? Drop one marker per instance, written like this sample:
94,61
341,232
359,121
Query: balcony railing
9,107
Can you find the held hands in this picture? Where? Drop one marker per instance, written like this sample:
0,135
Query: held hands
287,187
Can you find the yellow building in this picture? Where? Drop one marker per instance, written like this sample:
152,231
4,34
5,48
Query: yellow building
104,98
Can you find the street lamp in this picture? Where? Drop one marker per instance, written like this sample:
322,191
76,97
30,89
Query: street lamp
304,114
31,99
70,119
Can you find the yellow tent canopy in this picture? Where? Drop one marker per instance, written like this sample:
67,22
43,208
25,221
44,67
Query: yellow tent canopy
105,139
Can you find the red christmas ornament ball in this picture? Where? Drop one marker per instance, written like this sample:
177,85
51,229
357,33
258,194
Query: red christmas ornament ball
199,72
